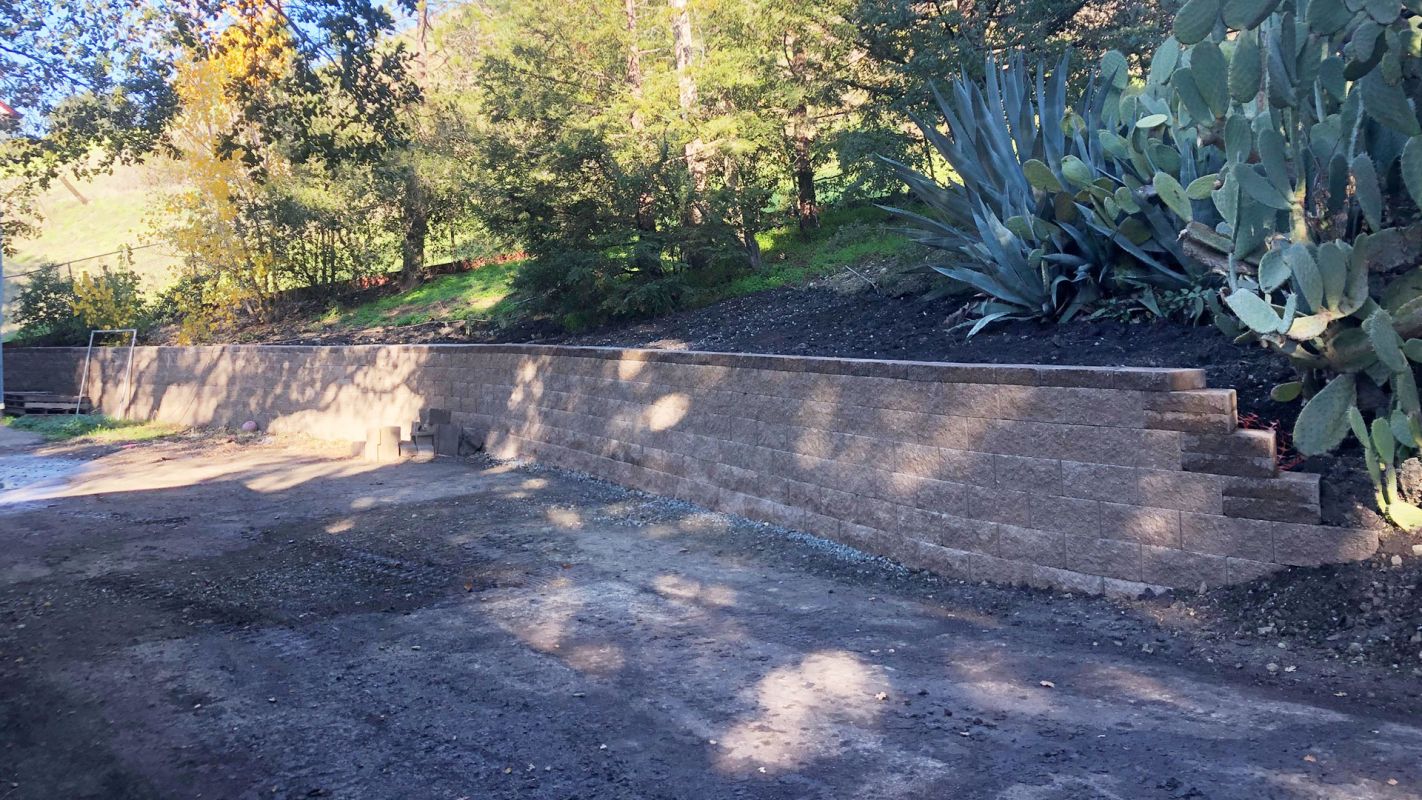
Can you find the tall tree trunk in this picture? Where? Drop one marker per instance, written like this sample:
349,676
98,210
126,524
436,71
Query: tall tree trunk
743,222
414,205
684,46
802,134
646,219
415,227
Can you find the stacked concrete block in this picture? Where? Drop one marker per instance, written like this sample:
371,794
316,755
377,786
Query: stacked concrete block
1093,479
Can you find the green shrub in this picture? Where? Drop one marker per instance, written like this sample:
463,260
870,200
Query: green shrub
44,308
1314,106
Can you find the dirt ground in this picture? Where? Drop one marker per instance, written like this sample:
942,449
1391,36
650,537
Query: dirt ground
216,618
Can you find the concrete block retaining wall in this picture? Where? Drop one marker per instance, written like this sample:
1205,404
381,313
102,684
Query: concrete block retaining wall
1093,479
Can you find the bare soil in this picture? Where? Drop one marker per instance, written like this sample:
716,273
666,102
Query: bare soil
243,618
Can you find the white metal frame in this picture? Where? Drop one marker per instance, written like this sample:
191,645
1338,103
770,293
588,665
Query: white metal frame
128,372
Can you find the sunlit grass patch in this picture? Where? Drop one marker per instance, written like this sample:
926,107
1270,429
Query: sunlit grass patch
96,428
847,237
465,295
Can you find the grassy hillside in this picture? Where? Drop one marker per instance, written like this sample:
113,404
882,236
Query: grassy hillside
100,215
463,296
849,238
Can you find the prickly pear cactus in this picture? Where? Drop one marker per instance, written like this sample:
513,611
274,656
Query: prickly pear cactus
1311,108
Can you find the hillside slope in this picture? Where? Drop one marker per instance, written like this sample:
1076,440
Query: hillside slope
96,216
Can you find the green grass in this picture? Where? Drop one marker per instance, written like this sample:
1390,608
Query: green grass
851,236
95,428
847,237
466,295
100,215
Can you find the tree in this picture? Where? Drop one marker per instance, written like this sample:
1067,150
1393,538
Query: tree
88,81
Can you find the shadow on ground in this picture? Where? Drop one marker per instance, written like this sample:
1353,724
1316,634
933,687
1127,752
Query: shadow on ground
210,619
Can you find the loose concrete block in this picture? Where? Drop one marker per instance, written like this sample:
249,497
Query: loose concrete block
382,444
447,439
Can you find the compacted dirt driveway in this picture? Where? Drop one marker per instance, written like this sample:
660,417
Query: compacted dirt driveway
217,619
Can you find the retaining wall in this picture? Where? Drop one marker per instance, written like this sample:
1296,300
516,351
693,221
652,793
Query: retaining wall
1093,479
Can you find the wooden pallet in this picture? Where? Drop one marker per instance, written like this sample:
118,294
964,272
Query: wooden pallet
25,403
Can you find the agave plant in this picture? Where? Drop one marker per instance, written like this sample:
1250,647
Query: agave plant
1056,204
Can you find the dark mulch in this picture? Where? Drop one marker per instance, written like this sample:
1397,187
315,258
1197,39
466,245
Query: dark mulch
826,322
